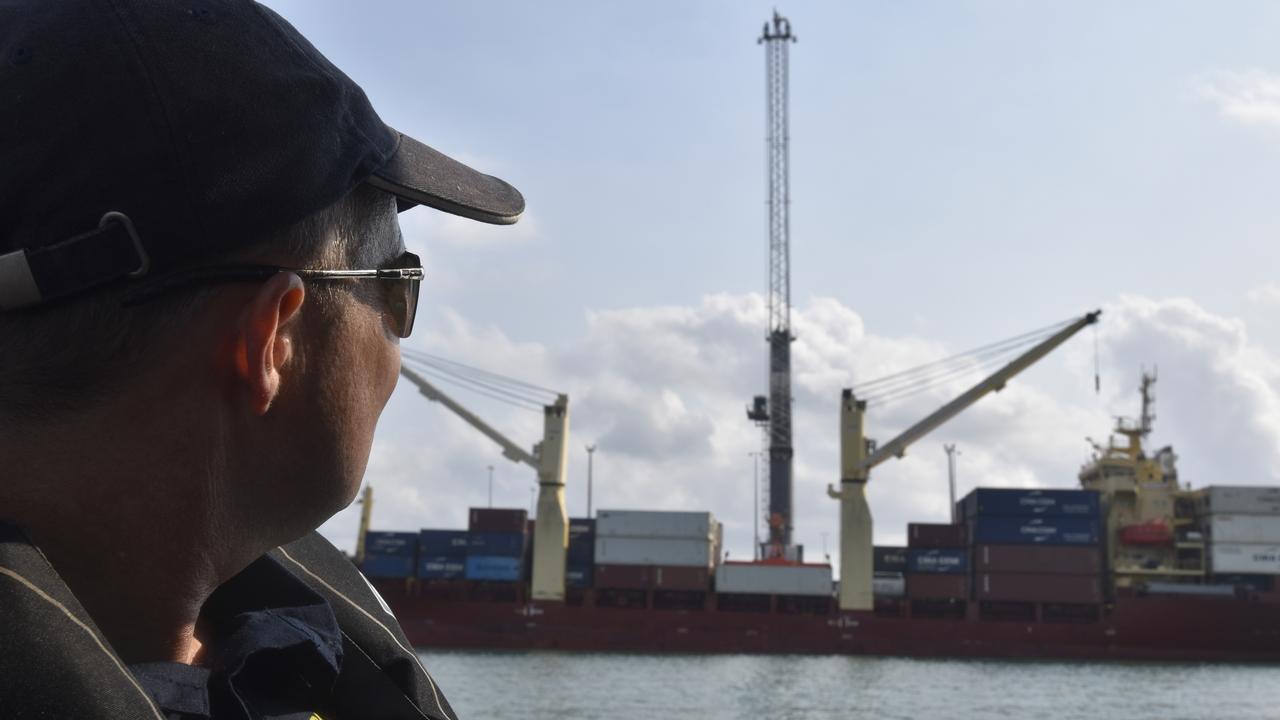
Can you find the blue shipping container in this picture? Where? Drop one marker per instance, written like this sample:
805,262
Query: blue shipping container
496,544
581,526
388,566
442,568
582,552
578,577
1023,503
488,567
1033,531
452,543
391,543
949,561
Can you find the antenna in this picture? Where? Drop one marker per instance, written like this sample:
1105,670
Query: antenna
1148,401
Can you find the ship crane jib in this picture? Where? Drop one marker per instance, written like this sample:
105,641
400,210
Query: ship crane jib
858,456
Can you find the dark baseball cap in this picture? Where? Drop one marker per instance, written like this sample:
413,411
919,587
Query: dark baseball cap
138,136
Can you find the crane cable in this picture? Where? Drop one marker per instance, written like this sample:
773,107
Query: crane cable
910,385
921,378
501,379
503,389
522,404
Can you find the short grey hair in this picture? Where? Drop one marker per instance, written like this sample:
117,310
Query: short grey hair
56,358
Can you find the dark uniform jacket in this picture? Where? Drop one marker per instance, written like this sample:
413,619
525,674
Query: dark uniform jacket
54,663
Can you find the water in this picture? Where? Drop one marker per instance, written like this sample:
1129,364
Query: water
587,686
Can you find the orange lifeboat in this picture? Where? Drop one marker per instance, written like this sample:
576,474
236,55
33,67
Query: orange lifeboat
1154,532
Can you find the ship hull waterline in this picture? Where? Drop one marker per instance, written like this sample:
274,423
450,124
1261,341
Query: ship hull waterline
1165,629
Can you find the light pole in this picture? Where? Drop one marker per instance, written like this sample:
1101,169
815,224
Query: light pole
951,476
490,486
591,454
755,503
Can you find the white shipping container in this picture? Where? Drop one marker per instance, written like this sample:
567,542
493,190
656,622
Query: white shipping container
1249,529
654,524
889,585
1227,558
774,579
1240,500
680,552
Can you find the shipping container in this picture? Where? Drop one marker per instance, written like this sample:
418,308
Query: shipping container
1245,529
998,530
442,543
654,551
496,544
933,535
1239,500
581,550
888,584
391,543
500,569
388,566
1030,503
1049,559
655,524
666,577
577,577
758,578
581,526
946,561
498,520
937,587
889,559
1256,583
442,568
1154,587
624,577
1228,558
1038,587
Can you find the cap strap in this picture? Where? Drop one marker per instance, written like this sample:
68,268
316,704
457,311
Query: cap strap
111,252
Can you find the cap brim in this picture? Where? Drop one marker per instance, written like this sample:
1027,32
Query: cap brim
419,175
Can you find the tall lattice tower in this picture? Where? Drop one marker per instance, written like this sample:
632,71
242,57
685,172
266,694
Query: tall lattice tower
774,412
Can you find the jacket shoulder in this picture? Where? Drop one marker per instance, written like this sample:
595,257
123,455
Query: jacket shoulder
369,627
54,662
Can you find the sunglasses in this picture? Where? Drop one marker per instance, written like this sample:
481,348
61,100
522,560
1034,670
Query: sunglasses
403,278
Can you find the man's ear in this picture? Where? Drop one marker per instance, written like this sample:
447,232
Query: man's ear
264,345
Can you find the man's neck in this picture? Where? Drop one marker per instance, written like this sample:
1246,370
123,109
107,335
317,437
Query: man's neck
139,537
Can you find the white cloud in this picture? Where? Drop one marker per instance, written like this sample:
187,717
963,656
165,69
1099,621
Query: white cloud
1267,295
663,391
1250,97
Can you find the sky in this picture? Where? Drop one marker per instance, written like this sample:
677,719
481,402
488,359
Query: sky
961,172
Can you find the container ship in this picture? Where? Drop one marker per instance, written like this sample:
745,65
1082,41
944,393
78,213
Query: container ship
1128,566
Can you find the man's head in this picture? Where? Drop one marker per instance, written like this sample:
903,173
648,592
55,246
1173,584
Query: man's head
148,142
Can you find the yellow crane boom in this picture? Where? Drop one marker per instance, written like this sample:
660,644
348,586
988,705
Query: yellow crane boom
857,459
551,529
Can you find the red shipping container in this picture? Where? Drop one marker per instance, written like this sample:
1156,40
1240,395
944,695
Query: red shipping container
939,587
1039,587
929,535
1047,559
681,578
624,577
498,520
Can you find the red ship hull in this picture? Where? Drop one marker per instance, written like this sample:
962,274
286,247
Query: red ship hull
1154,628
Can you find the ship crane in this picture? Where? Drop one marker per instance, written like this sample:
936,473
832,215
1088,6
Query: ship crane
548,458
858,456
